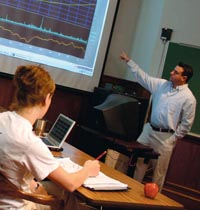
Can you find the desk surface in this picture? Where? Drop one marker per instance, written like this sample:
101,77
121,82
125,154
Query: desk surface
133,198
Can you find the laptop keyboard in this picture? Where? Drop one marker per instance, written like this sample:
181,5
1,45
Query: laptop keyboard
46,141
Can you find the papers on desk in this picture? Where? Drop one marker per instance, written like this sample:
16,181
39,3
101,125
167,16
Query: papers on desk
100,182
103,182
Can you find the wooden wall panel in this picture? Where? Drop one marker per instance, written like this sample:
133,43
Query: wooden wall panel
184,167
6,91
67,101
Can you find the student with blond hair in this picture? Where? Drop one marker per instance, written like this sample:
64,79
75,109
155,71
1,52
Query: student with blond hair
24,158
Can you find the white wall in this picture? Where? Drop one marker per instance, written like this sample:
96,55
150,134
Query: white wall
138,29
123,36
147,34
183,17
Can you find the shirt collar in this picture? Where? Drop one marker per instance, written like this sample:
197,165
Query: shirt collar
180,87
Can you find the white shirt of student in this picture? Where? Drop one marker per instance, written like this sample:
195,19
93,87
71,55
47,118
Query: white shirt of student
22,154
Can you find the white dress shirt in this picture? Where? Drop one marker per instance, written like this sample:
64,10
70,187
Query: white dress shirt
172,108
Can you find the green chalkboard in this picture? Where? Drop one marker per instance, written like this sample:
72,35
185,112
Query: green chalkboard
190,55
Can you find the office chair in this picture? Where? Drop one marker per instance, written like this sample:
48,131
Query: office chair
8,188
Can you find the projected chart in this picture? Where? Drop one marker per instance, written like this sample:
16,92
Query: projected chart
65,34
63,26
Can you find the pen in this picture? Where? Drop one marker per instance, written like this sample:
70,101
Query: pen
101,155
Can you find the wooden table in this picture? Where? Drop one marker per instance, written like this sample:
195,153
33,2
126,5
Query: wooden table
132,199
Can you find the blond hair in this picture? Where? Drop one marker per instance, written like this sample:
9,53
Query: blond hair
32,84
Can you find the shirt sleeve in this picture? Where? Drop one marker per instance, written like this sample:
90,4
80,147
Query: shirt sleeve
146,81
39,160
187,118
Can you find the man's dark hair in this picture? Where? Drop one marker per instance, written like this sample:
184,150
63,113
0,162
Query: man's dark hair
187,70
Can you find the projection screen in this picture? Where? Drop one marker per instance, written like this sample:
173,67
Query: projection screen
67,37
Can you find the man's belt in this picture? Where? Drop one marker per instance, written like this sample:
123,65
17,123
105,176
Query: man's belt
162,129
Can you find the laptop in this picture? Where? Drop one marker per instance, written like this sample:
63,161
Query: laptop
59,132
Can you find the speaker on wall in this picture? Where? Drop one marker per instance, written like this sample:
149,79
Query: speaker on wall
166,34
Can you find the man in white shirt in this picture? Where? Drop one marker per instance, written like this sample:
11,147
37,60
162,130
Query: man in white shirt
173,112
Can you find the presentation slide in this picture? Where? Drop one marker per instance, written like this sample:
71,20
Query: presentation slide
68,37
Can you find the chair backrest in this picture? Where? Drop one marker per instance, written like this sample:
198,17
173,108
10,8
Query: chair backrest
8,188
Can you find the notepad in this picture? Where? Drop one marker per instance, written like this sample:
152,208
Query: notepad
104,182
100,182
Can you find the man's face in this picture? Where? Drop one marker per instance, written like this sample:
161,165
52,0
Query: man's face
176,76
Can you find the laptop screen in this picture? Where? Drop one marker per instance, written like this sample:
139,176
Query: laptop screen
60,129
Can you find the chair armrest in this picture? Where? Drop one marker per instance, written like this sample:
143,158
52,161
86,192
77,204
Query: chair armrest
9,189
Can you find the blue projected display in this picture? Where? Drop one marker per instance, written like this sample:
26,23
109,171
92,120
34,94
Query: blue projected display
65,34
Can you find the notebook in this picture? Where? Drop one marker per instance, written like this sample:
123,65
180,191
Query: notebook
59,132
102,182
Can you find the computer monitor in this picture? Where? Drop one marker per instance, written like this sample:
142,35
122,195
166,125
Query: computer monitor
121,115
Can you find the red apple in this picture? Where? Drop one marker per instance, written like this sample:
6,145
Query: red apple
151,190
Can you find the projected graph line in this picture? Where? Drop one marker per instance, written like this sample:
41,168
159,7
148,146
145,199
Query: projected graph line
42,29
66,4
78,13
42,39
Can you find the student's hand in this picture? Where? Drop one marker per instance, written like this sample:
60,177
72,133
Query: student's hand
124,56
93,167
